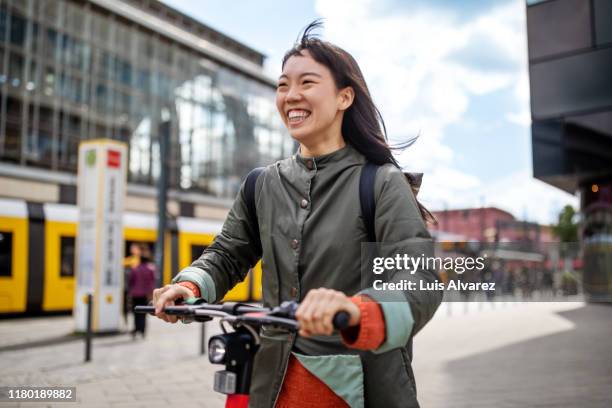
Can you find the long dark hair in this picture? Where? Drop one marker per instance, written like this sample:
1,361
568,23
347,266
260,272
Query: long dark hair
362,126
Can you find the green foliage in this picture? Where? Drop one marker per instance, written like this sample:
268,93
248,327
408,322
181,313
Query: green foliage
567,229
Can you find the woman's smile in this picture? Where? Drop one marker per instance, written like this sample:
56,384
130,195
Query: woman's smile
296,117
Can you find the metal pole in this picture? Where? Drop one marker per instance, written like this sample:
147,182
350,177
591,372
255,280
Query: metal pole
88,334
203,339
162,192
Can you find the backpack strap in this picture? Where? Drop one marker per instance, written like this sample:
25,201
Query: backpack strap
366,197
249,193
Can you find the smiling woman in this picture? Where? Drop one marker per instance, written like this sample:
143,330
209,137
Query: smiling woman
307,227
311,105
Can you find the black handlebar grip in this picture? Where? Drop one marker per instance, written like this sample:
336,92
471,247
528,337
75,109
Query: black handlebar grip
144,309
341,320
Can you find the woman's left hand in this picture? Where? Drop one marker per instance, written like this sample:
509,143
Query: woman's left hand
317,310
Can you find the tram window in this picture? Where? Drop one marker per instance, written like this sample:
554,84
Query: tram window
196,251
67,256
6,253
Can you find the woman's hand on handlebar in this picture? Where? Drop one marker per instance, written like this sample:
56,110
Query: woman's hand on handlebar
317,310
166,296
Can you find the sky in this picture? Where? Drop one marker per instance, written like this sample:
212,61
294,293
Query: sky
453,73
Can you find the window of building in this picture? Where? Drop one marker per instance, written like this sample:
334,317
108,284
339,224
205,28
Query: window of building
70,135
3,76
557,27
196,251
15,70
100,31
603,21
102,98
33,81
12,141
555,91
143,80
18,30
3,23
48,10
75,18
140,152
39,144
51,44
6,254
123,73
67,258
49,81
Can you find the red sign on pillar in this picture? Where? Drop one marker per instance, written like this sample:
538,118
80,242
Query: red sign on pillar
114,159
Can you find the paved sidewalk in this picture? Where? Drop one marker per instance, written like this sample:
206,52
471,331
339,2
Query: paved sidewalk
515,355
165,368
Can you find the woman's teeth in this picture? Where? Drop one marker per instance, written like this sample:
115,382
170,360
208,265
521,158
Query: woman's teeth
297,116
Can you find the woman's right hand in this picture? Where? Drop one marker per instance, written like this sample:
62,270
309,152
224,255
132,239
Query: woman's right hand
166,296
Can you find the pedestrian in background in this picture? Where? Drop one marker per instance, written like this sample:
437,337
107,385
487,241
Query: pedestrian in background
129,262
141,284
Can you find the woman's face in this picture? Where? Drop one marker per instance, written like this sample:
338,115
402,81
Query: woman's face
307,98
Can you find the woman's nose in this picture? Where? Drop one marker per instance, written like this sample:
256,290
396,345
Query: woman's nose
293,94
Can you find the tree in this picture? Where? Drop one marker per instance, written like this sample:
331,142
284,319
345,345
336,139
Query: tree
567,229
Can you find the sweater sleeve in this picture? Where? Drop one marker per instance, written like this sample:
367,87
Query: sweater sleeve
192,287
370,333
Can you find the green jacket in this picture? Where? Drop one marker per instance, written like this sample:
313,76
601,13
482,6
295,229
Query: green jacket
311,233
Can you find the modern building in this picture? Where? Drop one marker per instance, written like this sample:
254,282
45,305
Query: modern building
72,70
570,66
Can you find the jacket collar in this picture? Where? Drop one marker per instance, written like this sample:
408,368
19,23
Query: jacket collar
345,154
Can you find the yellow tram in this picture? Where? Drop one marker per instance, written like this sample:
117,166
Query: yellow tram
37,254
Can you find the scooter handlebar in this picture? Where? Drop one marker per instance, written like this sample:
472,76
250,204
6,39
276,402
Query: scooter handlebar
340,320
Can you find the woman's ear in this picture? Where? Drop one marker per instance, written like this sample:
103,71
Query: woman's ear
345,98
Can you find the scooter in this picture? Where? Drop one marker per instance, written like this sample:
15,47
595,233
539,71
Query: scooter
236,349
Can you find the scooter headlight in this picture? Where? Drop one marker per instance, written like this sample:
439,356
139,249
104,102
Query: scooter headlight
216,350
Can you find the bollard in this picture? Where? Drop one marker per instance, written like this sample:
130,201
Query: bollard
203,339
88,332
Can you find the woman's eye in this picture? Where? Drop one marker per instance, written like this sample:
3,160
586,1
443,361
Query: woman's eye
280,85
308,82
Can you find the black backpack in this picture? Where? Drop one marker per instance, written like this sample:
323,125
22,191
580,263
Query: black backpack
366,198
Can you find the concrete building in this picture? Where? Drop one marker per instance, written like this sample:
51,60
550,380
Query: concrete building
490,224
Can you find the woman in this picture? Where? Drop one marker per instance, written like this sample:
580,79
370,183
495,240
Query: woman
311,230
141,284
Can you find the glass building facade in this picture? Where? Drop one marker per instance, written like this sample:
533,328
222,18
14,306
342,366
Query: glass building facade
73,70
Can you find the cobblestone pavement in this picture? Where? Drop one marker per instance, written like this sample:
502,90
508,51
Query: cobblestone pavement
470,355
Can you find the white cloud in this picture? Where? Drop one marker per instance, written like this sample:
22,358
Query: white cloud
518,193
423,67
525,196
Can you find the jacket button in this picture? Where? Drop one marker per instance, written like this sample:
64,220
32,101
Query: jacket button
309,164
295,243
304,203
294,292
